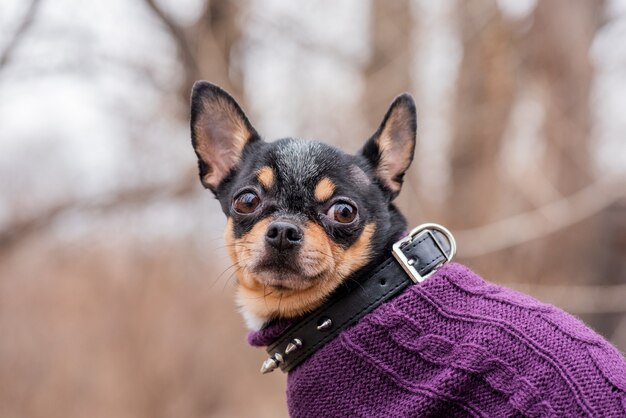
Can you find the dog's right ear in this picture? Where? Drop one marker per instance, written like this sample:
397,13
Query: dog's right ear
219,132
390,150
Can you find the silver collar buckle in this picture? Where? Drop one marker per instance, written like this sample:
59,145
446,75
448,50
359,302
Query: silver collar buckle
424,229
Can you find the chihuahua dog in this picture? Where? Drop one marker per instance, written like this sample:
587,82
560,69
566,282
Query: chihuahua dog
303,216
304,219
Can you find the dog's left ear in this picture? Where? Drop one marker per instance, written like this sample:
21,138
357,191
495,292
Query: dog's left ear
390,150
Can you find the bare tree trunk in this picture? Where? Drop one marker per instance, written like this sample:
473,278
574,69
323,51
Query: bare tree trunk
556,53
205,48
215,36
389,72
485,93
556,58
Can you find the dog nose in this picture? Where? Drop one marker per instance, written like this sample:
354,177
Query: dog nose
283,235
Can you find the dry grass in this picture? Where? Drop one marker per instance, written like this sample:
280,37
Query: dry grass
89,330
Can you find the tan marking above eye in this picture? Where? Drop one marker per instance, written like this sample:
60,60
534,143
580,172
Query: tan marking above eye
265,176
324,190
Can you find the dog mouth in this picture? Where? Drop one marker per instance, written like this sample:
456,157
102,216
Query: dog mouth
286,275
283,266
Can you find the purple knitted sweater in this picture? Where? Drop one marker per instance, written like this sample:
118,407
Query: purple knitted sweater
458,346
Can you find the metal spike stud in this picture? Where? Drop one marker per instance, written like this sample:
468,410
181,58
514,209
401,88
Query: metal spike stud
324,325
293,346
271,363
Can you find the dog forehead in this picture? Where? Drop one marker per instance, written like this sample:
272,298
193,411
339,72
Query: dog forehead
301,163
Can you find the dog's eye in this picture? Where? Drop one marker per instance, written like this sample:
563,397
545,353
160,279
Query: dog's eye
342,212
246,202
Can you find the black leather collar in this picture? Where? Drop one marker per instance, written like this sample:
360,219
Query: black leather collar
413,259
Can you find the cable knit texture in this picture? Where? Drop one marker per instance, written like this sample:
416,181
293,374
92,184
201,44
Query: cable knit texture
456,346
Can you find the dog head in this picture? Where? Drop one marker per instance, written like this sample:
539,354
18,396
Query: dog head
303,217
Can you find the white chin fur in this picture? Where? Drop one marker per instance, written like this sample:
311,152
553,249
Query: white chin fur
253,322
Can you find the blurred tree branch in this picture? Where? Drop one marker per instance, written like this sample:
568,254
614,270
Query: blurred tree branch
579,300
19,35
22,228
205,47
543,221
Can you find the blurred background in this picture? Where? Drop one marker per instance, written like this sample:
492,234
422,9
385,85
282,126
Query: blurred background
115,289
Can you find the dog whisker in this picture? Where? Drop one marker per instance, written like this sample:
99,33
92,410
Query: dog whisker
236,264
231,276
